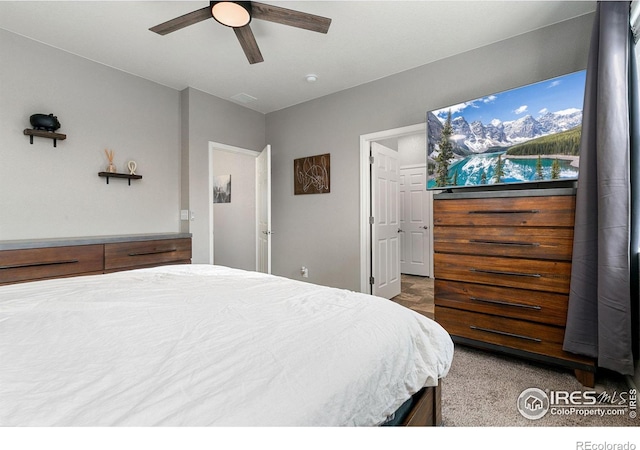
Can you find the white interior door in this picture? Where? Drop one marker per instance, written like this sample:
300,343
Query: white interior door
414,222
385,248
263,211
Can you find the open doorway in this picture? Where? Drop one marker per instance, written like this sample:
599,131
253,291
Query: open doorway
239,217
403,246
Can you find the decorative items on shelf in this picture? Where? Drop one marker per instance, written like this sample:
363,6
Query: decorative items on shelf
44,122
110,168
44,125
132,167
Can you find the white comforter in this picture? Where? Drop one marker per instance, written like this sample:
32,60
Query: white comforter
208,345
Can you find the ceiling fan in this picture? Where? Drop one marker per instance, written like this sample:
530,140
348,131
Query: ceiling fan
238,15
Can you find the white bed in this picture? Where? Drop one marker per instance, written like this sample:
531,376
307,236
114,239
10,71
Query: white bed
200,345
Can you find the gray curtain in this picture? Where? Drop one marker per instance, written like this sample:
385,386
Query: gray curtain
602,312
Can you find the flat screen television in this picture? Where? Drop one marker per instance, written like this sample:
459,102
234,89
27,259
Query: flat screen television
523,135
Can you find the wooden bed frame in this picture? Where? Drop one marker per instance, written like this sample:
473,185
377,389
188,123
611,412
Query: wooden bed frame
23,261
427,410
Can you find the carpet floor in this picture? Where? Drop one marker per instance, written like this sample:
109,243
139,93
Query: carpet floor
482,388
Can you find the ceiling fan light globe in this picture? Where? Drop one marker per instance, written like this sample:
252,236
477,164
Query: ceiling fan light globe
231,14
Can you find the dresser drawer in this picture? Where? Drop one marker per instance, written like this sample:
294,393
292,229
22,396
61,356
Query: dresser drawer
49,262
549,211
549,276
515,242
131,255
511,333
542,307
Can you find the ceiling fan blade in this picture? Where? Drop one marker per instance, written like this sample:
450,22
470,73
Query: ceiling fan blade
183,21
290,17
249,44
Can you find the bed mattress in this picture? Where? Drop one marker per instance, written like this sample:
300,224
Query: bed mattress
201,345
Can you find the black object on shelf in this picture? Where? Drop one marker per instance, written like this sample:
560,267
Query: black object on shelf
47,122
108,175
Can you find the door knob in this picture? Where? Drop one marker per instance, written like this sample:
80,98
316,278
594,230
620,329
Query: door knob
425,227
400,230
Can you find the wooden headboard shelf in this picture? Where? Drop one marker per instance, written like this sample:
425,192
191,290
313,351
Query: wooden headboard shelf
22,261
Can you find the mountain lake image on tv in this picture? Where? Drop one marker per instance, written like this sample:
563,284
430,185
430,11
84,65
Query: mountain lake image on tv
528,134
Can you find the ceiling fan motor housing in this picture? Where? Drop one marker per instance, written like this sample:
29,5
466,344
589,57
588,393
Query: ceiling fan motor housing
232,9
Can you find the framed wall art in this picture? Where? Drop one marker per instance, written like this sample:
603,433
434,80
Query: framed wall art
222,189
312,175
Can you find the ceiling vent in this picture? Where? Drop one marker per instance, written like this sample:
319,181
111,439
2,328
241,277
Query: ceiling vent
244,98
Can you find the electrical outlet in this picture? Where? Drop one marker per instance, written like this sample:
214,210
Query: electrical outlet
184,214
304,272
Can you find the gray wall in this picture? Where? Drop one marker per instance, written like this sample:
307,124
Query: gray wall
47,192
211,119
322,232
56,192
234,223
412,149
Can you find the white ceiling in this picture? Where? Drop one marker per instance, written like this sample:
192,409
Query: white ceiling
367,40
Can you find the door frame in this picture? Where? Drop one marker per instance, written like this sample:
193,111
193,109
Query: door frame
365,194
225,148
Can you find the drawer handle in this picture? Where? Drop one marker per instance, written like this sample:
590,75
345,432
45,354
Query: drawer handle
500,272
504,333
153,252
521,244
499,302
505,211
38,264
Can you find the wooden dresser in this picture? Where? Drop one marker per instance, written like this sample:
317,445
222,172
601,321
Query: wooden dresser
55,258
502,266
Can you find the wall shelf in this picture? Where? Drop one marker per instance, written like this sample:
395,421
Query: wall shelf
127,176
45,134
